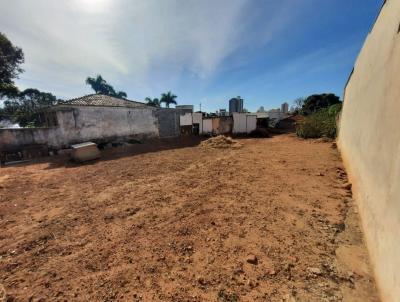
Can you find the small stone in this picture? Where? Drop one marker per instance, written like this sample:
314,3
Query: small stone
252,259
201,281
314,270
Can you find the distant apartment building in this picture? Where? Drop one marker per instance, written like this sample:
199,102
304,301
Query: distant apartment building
261,109
285,108
235,105
223,112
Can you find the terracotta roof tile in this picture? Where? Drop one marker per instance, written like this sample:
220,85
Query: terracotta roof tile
102,100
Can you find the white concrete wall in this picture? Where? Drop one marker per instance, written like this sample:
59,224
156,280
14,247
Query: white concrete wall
185,119
244,123
369,140
207,126
251,123
80,124
14,138
239,123
83,123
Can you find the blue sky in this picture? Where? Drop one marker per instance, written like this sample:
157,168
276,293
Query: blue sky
206,51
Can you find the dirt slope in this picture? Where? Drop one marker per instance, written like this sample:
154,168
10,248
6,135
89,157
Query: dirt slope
265,222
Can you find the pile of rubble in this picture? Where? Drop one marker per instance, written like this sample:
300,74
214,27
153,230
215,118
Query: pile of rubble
220,142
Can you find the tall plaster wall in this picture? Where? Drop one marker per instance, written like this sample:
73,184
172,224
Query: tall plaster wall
91,122
80,124
369,140
169,122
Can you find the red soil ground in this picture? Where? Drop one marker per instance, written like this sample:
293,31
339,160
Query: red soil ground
270,221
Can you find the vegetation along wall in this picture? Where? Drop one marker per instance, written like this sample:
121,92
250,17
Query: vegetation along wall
369,139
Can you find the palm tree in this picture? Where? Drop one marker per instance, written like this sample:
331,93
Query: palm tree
168,98
121,95
100,86
152,102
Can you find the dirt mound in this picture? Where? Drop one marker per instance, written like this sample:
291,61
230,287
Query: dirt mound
220,141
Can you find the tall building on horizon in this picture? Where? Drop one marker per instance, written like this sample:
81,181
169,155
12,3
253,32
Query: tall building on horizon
285,108
261,109
235,105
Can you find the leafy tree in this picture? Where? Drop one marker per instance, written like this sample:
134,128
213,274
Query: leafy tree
8,91
20,107
316,102
11,57
24,108
152,102
168,98
100,86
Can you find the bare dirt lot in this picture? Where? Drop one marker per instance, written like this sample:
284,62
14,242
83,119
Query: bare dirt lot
270,221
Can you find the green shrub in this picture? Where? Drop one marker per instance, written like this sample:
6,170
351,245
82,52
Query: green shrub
320,124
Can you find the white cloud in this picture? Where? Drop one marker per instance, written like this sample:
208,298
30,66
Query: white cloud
134,44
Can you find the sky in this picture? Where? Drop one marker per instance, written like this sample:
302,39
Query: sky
204,51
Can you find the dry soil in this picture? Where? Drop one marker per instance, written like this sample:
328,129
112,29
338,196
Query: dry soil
270,221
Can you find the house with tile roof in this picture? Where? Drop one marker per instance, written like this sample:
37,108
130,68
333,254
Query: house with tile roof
100,100
97,118
101,118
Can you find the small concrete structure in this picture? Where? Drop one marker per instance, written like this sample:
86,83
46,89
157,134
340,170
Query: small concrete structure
197,121
186,119
244,123
85,152
207,126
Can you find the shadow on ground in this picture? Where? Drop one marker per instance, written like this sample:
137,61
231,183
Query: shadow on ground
285,126
114,153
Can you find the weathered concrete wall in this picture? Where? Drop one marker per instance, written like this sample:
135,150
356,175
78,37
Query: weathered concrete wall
207,126
186,119
168,122
251,123
244,123
369,140
225,124
15,138
215,125
198,119
84,123
239,123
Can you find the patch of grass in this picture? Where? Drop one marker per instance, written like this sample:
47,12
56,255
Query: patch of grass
320,124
